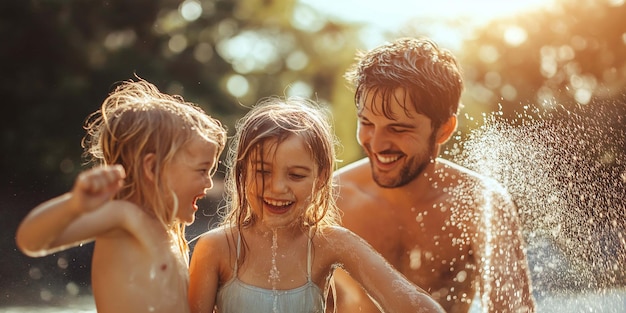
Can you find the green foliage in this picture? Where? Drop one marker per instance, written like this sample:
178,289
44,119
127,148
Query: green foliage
572,53
63,57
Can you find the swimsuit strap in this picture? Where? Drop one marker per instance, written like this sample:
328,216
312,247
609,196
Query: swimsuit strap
309,262
238,251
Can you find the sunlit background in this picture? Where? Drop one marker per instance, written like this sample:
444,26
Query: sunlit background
543,110
441,19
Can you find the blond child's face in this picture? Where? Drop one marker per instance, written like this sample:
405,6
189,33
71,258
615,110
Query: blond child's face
281,182
190,175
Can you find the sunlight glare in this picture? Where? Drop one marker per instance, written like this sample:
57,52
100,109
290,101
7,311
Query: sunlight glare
395,12
515,35
395,15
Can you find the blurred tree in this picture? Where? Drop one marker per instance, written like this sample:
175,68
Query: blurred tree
572,53
287,48
63,57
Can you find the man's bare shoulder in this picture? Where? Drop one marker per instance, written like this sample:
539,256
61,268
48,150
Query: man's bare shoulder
468,177
468,186
354,172
354,185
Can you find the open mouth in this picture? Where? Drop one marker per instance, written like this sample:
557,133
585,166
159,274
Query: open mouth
386,161
194,204
276,206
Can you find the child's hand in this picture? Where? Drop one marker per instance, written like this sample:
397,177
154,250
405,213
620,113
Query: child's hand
96,186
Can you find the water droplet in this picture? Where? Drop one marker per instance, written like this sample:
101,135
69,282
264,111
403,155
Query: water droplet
415,259
46,295
35,273
461,276
72,288
419,217
62,263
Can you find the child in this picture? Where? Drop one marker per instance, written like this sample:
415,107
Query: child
157,156
279,243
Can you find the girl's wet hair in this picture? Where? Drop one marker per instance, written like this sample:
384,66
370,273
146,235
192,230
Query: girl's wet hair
430,76
136,119
274,119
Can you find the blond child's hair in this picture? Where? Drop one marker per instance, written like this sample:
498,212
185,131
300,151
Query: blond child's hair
137,119
276,118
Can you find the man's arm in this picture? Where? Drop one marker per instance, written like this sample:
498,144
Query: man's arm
503,265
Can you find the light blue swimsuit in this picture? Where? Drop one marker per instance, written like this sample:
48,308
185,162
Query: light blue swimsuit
238,297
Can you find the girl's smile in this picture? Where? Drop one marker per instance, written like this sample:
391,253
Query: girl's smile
277,206
283,176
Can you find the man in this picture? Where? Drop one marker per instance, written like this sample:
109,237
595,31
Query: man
451,231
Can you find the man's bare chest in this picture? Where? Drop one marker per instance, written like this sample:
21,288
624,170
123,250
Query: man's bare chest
425,241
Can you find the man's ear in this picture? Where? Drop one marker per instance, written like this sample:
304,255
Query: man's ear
149,166
446,129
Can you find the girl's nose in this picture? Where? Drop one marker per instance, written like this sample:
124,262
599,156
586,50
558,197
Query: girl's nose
208,183
277,184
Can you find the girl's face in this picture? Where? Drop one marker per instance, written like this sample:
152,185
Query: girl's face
189,175
280,181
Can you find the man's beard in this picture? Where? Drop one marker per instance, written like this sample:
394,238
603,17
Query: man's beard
410,171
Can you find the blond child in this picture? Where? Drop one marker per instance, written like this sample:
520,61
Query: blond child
156,155
280,241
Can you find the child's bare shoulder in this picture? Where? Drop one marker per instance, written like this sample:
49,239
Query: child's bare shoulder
214,249
130,215
333,244
128,218
217,239
334,235
123,208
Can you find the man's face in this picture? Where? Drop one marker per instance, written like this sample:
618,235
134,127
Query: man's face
399,148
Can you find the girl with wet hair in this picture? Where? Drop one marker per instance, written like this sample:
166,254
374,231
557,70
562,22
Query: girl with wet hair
280,242
154,157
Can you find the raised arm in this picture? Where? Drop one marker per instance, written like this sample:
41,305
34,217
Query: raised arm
392,292
56,224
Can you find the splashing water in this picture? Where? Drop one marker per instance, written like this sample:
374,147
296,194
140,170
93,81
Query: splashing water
274,274
566,171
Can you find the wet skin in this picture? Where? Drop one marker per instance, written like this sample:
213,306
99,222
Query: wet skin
276,251
137,266
432,219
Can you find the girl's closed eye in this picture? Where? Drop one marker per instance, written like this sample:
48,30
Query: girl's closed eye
297,176
260,171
